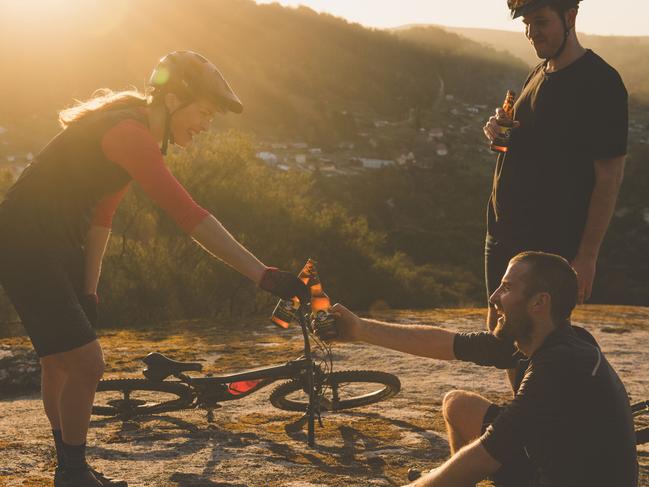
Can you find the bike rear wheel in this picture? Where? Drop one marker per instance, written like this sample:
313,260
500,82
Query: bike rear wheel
136,397
342,390
642,425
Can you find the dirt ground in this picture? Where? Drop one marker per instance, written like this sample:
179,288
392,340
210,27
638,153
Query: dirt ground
249,443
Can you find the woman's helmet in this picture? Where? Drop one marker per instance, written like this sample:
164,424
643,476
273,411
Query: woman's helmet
520,8
191,77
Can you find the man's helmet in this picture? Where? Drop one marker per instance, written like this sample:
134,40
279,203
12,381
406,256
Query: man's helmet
191,76
520,8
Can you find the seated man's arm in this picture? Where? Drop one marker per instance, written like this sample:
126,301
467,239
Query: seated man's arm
425,341
467,467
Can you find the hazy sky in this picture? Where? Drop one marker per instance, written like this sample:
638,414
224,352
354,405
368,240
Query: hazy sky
604,17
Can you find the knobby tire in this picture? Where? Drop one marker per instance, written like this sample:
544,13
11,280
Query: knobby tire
389,383
133,406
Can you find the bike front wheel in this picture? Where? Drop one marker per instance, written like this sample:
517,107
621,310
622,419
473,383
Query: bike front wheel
340,390
136,397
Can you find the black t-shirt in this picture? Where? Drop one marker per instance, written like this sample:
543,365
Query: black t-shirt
570,414
542,185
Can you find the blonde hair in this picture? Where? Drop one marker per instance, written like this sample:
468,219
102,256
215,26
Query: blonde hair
101,100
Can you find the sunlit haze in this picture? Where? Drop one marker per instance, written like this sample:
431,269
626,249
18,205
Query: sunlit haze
603,17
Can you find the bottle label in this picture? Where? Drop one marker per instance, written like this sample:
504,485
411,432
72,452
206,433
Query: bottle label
284,311
324,325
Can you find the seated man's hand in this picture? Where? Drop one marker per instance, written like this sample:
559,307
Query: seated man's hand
347,324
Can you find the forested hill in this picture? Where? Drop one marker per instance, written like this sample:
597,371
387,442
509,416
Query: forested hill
628,54
293,68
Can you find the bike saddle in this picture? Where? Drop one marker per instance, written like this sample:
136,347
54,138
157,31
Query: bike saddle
160,367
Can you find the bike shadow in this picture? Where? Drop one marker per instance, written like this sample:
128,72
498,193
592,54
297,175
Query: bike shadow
352,450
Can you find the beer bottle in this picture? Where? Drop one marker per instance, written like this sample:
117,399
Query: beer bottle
284,313
501,142
322,321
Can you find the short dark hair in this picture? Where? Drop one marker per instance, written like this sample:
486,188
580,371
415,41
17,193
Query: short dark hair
553,274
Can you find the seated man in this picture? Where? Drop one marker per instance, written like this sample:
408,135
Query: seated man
569,423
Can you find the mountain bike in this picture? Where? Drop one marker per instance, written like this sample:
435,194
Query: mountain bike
312,386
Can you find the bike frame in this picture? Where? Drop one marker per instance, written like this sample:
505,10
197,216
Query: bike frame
208,391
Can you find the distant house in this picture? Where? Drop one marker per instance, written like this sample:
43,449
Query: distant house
300,158
299,145
315,150
436,133
450,98
278,145
406,159
376,163
381,123
283,167
441,150
267,157
346,145
472,109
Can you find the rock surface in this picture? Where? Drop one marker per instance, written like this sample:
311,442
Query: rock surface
249,443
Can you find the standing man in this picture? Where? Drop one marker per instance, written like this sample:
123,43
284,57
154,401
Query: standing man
555,188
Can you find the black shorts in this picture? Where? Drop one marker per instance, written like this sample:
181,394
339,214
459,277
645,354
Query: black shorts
519,472
497,254
45,292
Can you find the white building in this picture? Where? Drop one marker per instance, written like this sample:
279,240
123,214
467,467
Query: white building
376,163
267,157
300,158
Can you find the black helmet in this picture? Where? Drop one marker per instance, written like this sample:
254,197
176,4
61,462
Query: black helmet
520,8
191,76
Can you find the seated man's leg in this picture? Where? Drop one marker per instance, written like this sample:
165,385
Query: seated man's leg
467,416
464,414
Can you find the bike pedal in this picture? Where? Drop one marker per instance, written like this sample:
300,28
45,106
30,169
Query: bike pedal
413,474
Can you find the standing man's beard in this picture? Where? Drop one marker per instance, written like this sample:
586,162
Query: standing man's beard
516,328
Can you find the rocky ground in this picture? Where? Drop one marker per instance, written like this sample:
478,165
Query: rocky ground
249,443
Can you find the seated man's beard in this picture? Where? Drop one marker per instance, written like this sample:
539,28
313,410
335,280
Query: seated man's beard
516,327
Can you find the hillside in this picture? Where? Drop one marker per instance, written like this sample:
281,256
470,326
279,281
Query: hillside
295,70
627,54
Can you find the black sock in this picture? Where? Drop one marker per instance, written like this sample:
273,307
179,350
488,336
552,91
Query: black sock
58,443
75,456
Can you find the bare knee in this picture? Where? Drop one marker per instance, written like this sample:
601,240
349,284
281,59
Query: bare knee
464,411
454,406
85,363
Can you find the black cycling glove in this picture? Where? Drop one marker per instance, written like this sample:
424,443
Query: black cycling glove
89,304
284,285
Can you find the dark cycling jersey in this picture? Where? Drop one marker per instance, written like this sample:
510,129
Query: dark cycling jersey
570,414
80,177
77,181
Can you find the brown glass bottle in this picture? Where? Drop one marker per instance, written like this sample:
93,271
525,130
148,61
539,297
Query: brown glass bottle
284,313
501,142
